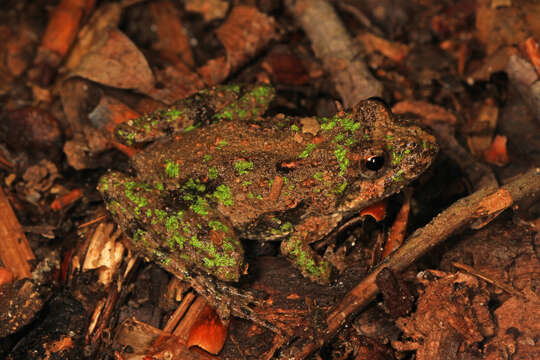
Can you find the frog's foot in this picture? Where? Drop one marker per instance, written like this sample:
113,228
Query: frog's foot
229,102
303,257
230,300
193,236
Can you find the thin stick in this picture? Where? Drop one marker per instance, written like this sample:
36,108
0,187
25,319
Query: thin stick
336,49
483,204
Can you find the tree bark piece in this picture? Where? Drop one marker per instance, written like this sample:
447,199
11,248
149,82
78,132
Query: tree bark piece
484,204
15,252
336,49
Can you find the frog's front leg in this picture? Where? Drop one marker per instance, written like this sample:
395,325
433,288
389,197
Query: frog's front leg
298,250
225,102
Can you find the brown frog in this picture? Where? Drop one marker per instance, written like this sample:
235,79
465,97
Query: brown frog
200,189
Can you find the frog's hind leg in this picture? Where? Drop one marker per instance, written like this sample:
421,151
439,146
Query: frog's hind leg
195,237
225,102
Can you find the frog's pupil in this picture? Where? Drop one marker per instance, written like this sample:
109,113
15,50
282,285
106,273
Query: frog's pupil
375,163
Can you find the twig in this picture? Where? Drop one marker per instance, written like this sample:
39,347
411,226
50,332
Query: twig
482,204
506,287
338,52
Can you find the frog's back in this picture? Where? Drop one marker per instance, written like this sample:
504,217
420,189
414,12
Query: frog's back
255,168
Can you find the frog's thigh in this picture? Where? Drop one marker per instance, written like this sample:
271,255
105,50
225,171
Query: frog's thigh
297,249
128,200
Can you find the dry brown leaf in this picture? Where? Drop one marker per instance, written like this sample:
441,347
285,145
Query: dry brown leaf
496,154
209,9
115,61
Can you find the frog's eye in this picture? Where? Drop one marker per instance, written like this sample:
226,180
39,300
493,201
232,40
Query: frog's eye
373,163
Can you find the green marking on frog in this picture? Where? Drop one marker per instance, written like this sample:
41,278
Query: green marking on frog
340,188
129,137
133,193
190,128
398,176
218,226
343,160
221,144
397,157
172,224
172,169
172,115
223,195
339,137
200,206
243,167
305,260
212,173
160,214
200,231
305,153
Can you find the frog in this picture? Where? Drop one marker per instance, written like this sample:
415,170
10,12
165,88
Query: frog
215,170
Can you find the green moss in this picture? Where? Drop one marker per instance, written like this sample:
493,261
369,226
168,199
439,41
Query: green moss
246,183
318,176
207,157
172,169
223,195
294,128
159,186
243,167
149,213
305,153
